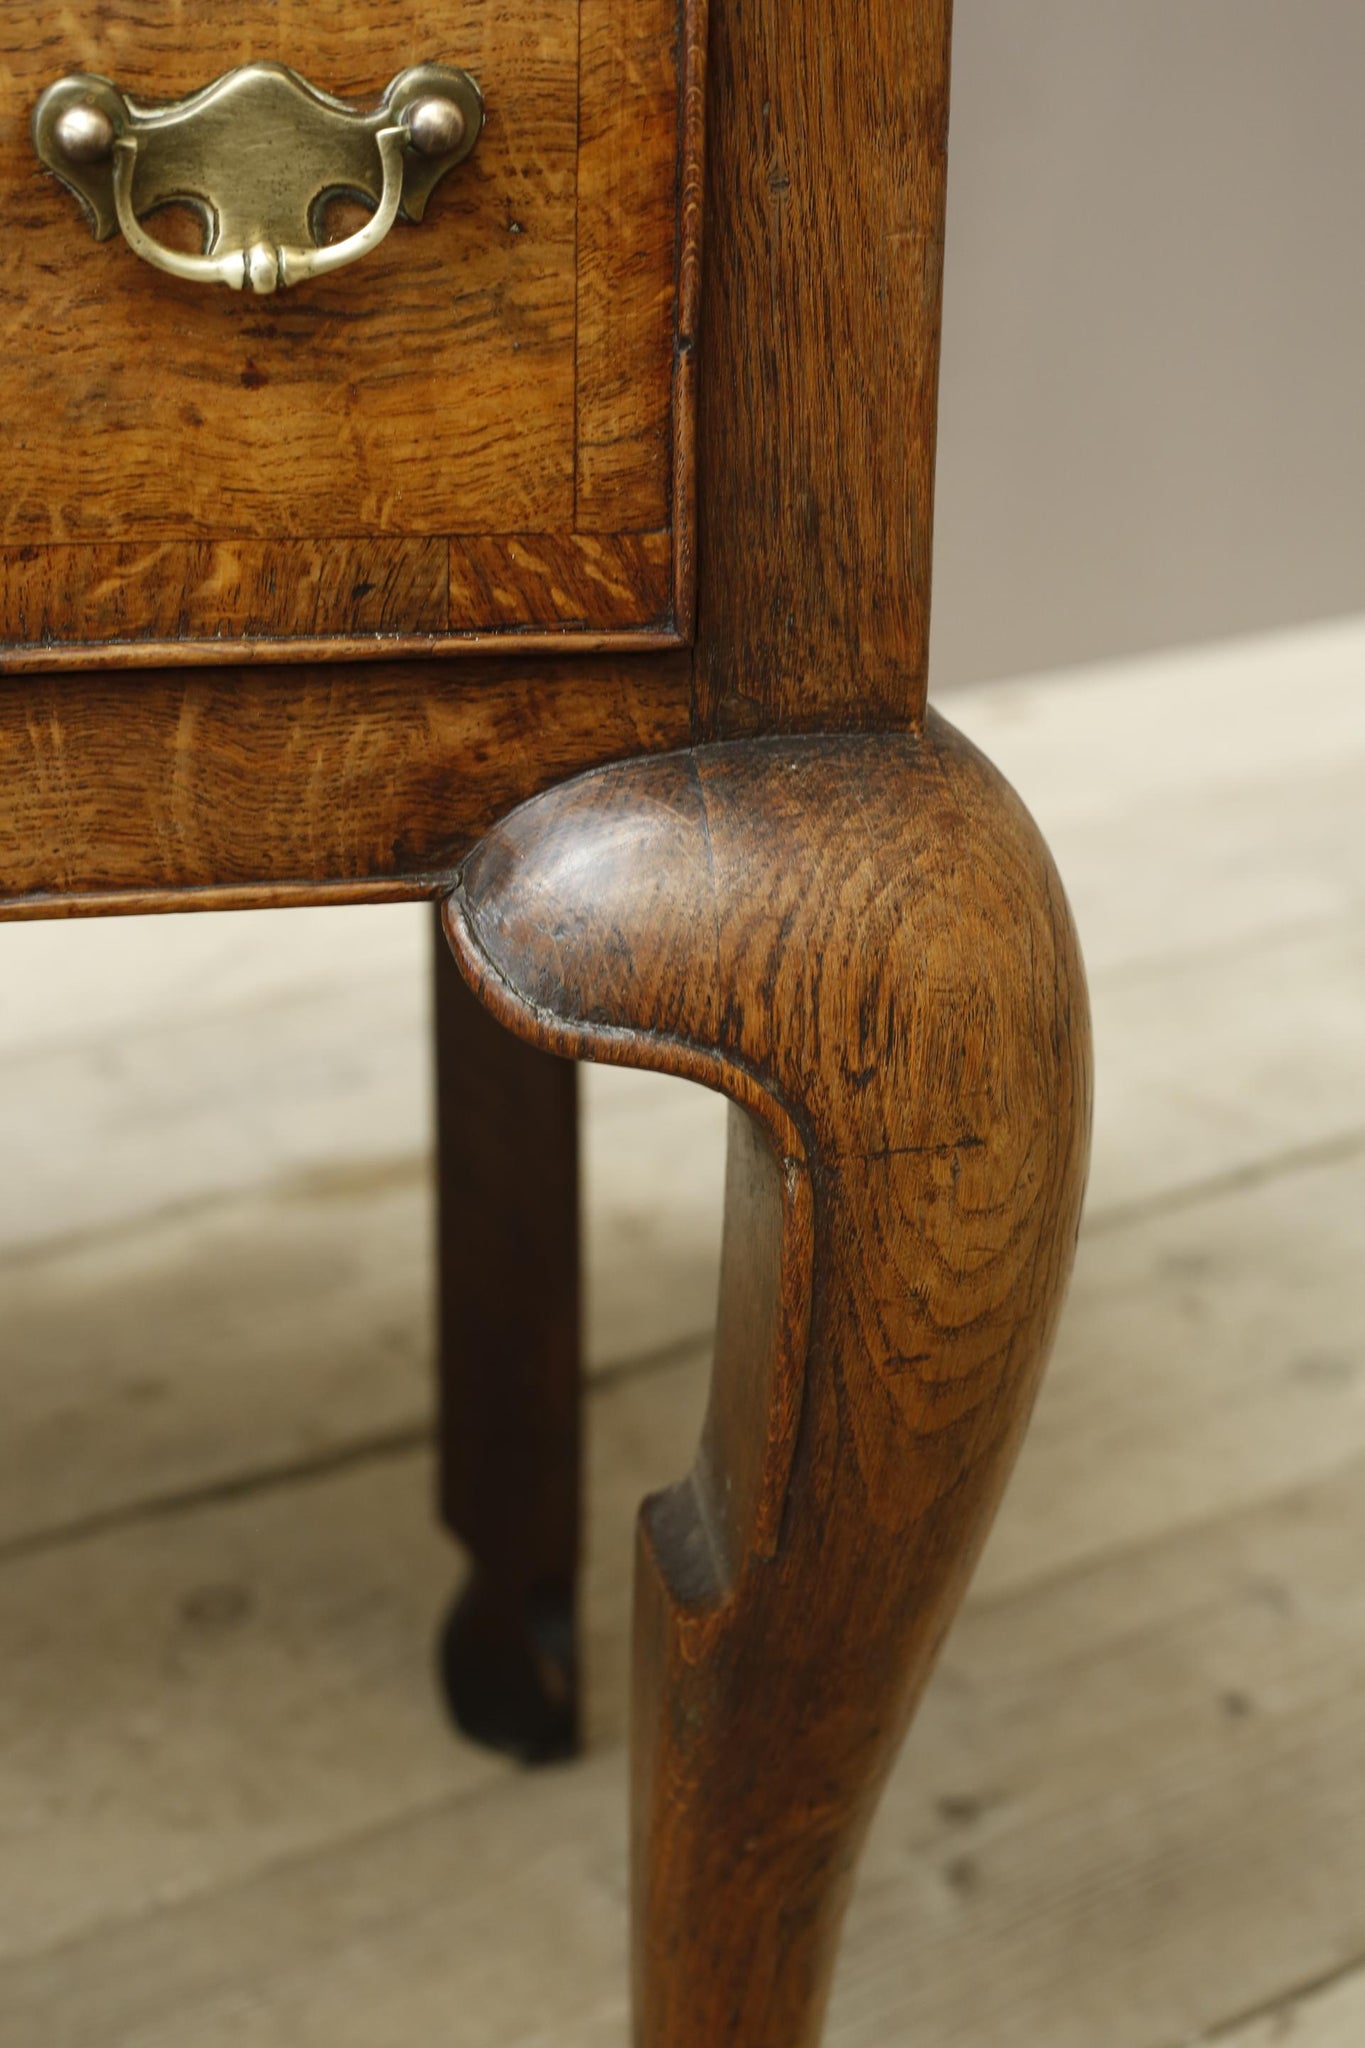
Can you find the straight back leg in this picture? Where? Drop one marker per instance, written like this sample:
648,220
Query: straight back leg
508,1243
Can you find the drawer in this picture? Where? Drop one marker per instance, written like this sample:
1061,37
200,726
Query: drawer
475,436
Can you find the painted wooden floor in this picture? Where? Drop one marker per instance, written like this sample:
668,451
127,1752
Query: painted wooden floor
1132,1814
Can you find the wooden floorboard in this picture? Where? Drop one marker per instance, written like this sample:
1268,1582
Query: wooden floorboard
290,1326
197,1631
1331,2015
1139,1791
1208,1358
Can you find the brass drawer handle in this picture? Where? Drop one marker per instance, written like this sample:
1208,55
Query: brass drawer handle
257,154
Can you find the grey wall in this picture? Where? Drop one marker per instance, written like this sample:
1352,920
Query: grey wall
1153,413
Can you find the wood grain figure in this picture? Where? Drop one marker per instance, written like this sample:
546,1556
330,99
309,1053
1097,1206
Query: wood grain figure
193,474
233,786
826,169
863,943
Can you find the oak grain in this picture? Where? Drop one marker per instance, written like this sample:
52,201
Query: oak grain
140,591
863,944
627,259
586,581
826,166
193,474
239,785
376,402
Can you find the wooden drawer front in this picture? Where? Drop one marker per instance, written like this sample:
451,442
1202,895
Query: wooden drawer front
477,433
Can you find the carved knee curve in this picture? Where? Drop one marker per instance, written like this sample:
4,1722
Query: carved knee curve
863,942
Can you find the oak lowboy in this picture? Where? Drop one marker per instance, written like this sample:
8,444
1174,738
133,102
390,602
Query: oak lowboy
381,577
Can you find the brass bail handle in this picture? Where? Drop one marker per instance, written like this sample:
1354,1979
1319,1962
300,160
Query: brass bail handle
257,154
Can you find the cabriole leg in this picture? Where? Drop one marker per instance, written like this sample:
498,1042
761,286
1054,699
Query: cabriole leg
862,941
